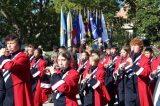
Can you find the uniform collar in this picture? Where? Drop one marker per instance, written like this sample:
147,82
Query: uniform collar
13,54
92,68
65,70
135,55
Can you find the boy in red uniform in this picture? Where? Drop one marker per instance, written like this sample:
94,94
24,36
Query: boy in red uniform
137,92
16,74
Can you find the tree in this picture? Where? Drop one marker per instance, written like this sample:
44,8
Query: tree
145,16
32,20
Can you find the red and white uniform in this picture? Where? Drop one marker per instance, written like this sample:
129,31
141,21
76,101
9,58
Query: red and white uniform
101,96
16,72
65,87
39,93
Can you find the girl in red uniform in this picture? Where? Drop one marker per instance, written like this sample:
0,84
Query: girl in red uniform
123,62
93,84
64,81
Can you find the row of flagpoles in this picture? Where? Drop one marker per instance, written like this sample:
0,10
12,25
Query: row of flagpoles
76,28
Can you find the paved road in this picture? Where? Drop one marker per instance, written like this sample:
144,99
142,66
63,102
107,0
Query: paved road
48,104
78,100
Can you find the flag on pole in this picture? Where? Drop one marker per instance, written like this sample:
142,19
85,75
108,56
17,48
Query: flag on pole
96,17
63,30
69,29
104,32
99,25
93,27
82,28
87,24
76,32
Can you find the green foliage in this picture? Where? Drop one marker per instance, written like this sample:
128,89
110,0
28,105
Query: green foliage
145,17
33,21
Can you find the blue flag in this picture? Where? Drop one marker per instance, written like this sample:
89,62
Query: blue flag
63,30
104,32
76,31
82,28
93,27
99,26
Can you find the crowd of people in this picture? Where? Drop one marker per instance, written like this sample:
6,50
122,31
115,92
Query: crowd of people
125,77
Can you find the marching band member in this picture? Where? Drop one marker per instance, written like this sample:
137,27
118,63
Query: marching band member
16,74
37,70
30,51
83,64
84,59
156,73
123,62
137,92
93,84
109,65
148,52
2,83
64,81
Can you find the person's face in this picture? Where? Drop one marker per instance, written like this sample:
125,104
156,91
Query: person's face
60,50
123,53
30,51
108,51
92,62
63,62
148,54
12,46
132,48
36,54
74,50
84,56
55,59
113,51
136,48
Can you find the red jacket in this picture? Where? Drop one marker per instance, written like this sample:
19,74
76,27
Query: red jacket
20,74
155,63
145,95
101,94
67,86
106,60
39,96
118,62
